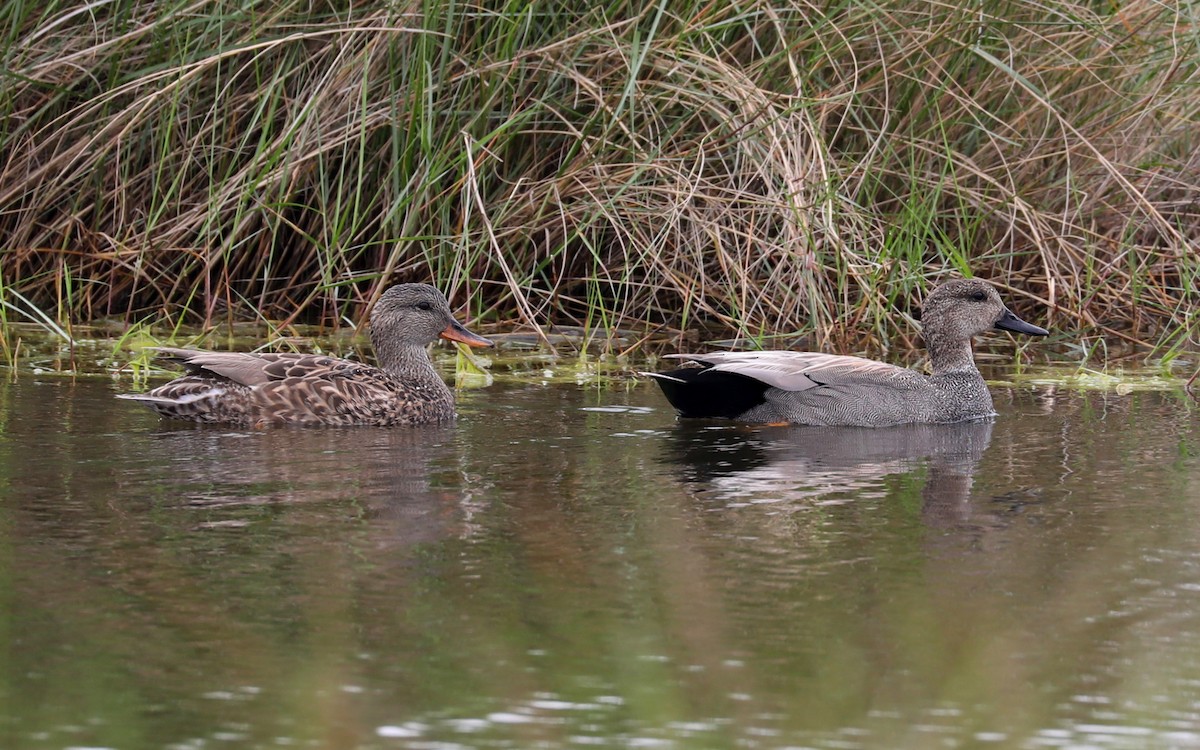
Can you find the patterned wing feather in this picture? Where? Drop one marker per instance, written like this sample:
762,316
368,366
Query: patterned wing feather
342,393
307,366
256,369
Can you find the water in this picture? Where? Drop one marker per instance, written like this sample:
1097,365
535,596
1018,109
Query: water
569,567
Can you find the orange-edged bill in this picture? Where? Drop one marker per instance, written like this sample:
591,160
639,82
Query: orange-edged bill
456,332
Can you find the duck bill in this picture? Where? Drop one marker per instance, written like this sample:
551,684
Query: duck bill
1010,322
457,332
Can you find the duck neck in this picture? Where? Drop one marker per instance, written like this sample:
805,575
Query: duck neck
950,355
407,362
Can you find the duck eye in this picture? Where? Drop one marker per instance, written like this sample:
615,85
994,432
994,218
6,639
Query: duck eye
424,306
978,296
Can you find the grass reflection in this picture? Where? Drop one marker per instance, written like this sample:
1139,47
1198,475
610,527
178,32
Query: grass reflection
547,574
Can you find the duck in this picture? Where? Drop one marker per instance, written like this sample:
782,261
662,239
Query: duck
814,388
280,389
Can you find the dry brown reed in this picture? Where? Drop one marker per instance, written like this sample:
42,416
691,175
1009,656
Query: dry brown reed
753,166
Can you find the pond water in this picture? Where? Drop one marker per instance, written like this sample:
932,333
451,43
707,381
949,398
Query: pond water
570,566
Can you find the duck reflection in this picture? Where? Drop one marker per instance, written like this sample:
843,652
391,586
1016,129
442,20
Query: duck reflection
738,466
402,480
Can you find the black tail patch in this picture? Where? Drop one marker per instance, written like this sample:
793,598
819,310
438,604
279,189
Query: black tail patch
702,392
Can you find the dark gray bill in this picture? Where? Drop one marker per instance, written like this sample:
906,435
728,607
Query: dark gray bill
1010,322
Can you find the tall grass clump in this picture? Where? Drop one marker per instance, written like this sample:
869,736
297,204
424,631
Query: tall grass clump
751,166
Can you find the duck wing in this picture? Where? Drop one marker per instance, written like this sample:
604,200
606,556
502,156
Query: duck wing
800,371
257,369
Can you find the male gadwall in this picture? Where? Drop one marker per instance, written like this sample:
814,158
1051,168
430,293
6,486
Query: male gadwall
828,389
311,389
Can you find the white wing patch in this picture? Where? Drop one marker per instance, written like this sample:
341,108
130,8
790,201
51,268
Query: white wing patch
188,398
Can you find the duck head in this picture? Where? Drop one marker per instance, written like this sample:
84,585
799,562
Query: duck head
960,309
416,315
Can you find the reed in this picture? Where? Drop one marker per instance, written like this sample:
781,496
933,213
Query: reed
749,166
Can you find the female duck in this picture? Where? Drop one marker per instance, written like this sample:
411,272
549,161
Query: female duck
828,389
311,389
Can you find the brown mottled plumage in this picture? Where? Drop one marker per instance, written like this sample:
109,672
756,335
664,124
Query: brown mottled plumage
310,389
829,389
